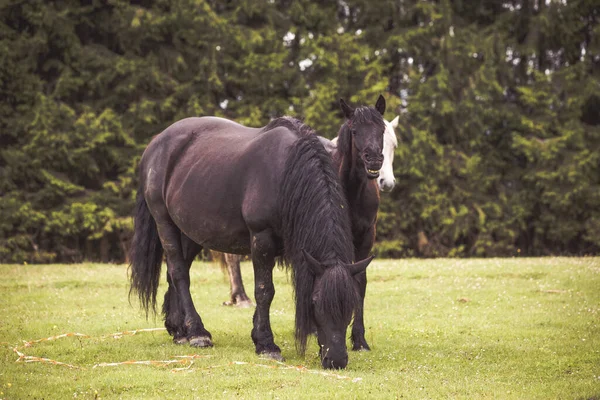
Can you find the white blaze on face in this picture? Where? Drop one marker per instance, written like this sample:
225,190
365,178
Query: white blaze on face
386,178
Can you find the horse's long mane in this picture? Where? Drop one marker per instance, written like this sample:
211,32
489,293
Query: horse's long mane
314,217
291,123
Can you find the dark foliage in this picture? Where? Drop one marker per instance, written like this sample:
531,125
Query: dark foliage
499,133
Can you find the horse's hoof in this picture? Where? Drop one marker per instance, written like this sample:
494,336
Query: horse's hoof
361,347
201,341
273,355
180,340
244,304
239,304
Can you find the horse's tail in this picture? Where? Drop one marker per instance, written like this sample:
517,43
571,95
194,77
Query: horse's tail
145,255
219,258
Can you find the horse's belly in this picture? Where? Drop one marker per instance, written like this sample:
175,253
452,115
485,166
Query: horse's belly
228,247
212,232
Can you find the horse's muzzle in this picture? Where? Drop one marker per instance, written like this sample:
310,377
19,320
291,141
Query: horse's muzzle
338,363
373,164
386,185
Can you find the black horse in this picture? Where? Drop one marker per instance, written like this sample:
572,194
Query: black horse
209,182
358,158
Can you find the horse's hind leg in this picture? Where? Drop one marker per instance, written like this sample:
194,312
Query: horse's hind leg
181,318
173,314
239,297
172,310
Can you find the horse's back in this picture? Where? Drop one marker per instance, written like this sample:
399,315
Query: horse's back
190,143
181,134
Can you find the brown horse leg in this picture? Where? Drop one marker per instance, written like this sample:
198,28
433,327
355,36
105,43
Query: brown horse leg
239,297
181,318
263,260
358,326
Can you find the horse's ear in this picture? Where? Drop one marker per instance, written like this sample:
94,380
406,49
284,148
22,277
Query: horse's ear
348,111
380,105
395,121
359,266
313,264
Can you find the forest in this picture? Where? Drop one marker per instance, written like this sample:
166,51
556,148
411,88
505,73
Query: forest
499,105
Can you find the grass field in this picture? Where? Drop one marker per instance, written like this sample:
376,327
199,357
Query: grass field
460,329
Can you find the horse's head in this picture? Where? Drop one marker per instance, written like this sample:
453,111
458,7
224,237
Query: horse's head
386,179
334,298
367,127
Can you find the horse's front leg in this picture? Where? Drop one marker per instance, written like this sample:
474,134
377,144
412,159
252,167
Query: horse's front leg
362,251
263,261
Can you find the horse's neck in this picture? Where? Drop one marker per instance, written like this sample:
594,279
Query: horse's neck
360,191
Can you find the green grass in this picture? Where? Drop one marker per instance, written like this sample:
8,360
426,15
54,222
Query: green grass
461,329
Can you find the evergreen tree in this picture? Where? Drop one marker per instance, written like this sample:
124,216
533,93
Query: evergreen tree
499,105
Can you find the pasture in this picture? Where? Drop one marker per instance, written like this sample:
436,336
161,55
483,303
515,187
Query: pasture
445,328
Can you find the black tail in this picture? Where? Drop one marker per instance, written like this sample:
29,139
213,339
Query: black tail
145,255
219,258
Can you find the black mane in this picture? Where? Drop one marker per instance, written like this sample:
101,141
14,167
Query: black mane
315,218
291,123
